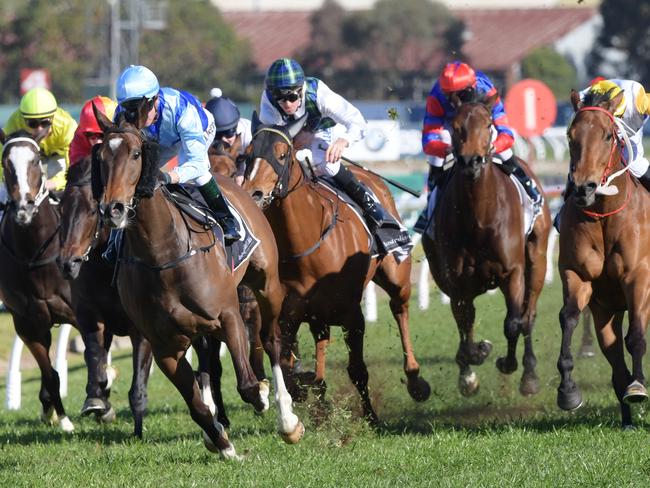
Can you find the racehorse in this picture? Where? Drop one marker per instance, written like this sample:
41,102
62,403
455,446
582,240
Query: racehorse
325,260
175,282
604,256
95,301
480,243
31,285
223,160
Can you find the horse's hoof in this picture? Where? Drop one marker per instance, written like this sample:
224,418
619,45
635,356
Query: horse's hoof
587,352
628,428
529,384
93,405
49,416
468,384
295,436
106,417
66,425
505,367
569,400
635,393
484,350
419,389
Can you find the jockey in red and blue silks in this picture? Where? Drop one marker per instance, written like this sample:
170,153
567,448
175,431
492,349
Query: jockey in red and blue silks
460,79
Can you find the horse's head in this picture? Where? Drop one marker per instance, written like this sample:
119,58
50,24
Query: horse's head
471,134
124,166
270,157
79,219
223,158
594,146
24,175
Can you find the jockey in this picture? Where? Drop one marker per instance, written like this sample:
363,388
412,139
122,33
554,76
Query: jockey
229,126
469,85
182,127
88,132
288,96
40,115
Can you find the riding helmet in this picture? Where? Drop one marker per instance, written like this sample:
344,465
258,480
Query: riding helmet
38,103
87,120
612,90
136,82
457,76
225,112
284,73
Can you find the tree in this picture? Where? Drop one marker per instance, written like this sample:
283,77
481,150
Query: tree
547,65
622,49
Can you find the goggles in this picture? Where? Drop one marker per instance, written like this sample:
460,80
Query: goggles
226,133
36,123
132,105
287,95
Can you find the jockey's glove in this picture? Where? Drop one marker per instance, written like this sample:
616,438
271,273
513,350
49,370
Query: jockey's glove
164,177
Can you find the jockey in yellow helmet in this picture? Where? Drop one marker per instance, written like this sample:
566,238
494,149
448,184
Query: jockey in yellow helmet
40,115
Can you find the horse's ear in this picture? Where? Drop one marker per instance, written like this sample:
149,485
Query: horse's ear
296,126
255,122
104,122
575,100
491,101
455,100
3,138
143,112
614,103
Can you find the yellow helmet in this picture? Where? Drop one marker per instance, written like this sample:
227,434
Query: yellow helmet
612,90
38,103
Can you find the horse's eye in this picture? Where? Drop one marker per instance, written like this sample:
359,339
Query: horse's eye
609,137
136,154
283,156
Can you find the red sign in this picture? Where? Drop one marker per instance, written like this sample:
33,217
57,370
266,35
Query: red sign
33,78
531,107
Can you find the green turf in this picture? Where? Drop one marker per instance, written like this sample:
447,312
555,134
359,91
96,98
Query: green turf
496,438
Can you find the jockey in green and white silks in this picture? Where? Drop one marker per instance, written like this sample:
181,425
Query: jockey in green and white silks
288,95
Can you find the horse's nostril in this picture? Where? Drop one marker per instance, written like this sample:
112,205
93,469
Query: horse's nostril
591,186
257,195
117,209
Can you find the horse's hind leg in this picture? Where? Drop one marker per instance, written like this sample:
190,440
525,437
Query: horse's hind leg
514,291
587,344
468,351
609,330
176,367
395,279
636,343
38,340
142,358
214,371
95,356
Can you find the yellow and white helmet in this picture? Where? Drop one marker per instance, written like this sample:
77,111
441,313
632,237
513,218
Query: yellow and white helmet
608,87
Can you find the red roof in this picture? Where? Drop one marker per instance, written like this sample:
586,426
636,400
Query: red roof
499,37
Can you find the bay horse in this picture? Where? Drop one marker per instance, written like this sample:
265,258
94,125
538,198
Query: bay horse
325,260
95,301
31,285
175,282
604,258
480,243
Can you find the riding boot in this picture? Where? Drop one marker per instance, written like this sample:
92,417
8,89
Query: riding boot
217,203
645,179
511,166
360,195
435,174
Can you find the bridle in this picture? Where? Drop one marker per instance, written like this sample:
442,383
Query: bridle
42,191
484,159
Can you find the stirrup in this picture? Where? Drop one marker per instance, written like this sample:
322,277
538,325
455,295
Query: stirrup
230,232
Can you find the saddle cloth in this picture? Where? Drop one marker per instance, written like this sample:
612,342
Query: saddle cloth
390,238
188,199
529,212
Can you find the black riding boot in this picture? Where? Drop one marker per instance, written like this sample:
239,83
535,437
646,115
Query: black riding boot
435,174
645,179
511,166
360,195
214,198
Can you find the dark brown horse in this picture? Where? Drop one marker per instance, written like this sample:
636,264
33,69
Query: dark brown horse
95,301
480,243
31,285
176,284
325,260
604,254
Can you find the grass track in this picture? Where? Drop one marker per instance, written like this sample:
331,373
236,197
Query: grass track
496,438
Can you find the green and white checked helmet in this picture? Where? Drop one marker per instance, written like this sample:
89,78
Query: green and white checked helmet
284,73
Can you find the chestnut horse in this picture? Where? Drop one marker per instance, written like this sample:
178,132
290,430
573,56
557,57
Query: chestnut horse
31,285
480,243
95,301
604,254
176,284
325,260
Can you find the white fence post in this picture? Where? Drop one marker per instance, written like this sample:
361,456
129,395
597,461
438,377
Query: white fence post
61,361
370,302
423,286
550,256
14,376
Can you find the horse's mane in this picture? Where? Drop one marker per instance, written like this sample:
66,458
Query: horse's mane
594,99
80,171
149,174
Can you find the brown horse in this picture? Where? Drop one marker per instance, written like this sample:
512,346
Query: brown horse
325,260
604,254
176,284
480,243
223,160
95,301
31,285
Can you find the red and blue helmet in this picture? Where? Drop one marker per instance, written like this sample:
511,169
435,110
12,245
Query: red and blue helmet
457,76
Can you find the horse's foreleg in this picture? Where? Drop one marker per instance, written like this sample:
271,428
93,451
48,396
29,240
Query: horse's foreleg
215,372
468,351
397,283
142,358
514,291
354,329
179,371
635,339
250,312
576,296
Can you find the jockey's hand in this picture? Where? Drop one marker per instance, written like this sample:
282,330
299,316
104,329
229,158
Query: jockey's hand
335,151
50,185
168,177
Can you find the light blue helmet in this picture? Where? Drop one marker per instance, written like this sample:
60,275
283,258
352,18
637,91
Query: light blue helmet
136,82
